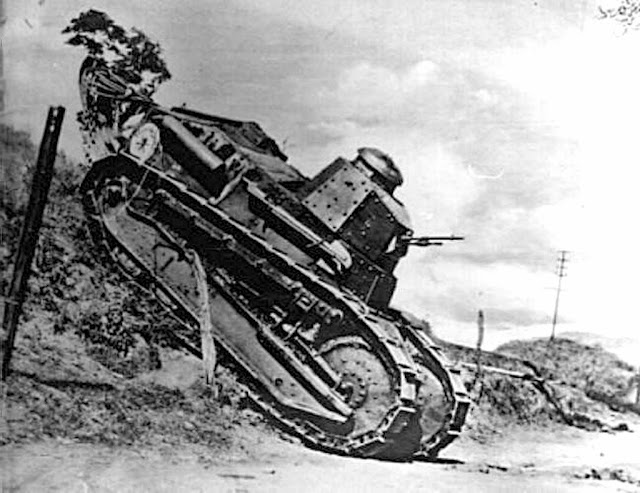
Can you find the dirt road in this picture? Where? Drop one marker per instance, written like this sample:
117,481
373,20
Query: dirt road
523,461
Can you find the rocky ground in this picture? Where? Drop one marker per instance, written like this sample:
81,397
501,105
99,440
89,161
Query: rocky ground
526,460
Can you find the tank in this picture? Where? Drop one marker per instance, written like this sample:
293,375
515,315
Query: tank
293,275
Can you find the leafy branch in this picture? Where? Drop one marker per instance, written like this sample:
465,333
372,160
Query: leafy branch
127,53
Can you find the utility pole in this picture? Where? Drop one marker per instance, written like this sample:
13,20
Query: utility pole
561,272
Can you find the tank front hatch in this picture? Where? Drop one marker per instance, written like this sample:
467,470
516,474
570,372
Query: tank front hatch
351,200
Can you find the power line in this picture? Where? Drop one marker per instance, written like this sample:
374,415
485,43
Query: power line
561,271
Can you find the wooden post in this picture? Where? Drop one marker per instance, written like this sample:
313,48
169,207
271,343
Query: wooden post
29,233
478,376
638,390
480,334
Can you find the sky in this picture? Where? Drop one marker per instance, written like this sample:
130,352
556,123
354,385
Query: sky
513,124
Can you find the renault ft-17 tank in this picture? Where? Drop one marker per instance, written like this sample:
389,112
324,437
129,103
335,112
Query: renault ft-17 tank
297,273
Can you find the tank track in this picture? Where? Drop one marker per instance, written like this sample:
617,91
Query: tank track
406,352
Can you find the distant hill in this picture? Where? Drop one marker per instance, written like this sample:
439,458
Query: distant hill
626,348
600,374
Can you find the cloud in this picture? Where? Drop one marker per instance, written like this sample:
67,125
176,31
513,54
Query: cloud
368,91
457,30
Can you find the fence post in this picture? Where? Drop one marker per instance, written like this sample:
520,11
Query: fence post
29,233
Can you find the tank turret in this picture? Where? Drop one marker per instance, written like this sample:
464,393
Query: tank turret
354,201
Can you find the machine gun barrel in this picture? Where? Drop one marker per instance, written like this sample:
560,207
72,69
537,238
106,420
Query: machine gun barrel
432,240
